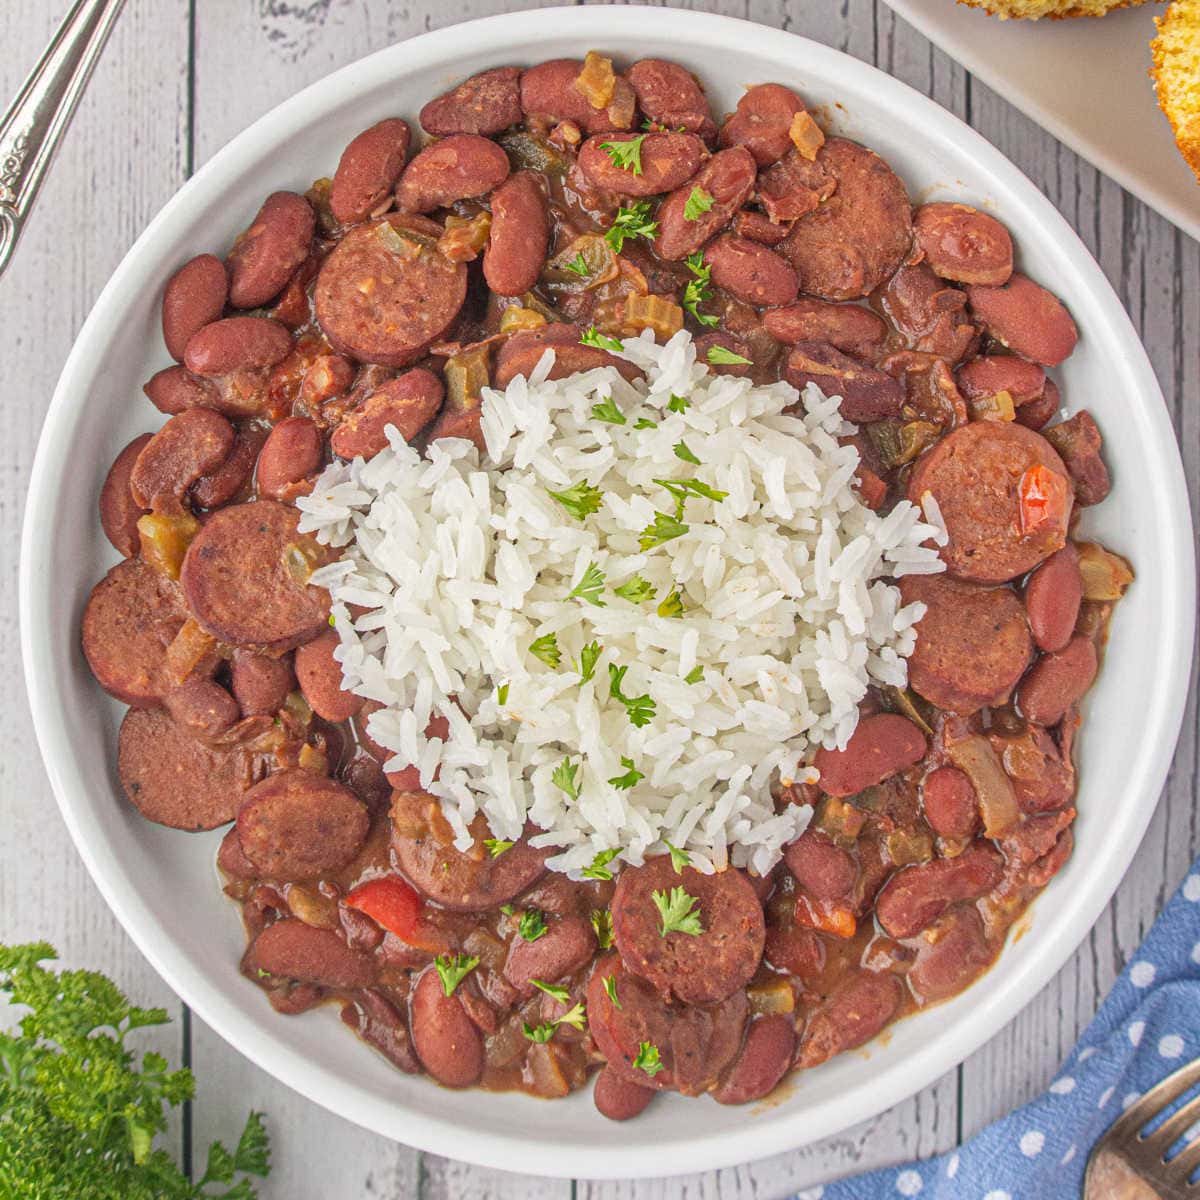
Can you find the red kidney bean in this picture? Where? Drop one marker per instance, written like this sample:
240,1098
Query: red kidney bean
1033,414
376,1020
565,947
192,444
408,402
765,1057
486,103
850,328
726,341
880,746
758,227
174,389
797,950
291,452
666,161
915,897
824,870
954,957
230,859
1026,318
548,91
290,949
964,244
519,235
320,677
928,312
1049,865
521,352
368,170
951,806
265,255
204,708
408,779
728,177
763,122
1040,770
119,511
1057,681
867,393
455,168
261,683
237,344
1053,594
669,96
750,272
854,1013
445,1038
464,424
1078,441
231,477
991,373
618,1098
194,297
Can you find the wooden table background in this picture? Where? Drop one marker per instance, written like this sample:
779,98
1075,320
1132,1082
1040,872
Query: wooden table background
177,81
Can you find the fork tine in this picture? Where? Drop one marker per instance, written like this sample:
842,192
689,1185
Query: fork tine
1155,1100
1174,1127
1186,1161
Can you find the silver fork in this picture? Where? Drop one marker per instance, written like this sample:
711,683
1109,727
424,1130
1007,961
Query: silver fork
32,128
1128,1164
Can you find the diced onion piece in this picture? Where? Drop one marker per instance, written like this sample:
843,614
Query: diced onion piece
585,263
466,375
165,540
664,317
597,81
1105,575
399,242
998,407
311,907
974,756
840,820
806,135
465,237
298,708
190,646
771,996
488,949
905,846
312,760
517,317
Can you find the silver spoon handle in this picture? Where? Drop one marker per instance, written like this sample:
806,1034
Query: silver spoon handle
32,128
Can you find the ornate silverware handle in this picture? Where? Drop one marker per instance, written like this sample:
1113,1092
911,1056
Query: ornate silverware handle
32,128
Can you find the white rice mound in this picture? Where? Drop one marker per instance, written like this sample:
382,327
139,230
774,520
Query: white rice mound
461,566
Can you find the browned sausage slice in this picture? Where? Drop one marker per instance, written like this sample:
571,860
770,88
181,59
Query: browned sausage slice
320,676
867,393
174,778
519,235
964,244
670,97
368,170
881,745
697,968
446,1040
523,351
119,511
750,271
289,949
486,103
295,825
860,234
408,403
455,168
763,122
194,296
665,161
265,255
240,580
727,177
1026,318
973,643
384,293
132,616
849,328
188,447
1004,495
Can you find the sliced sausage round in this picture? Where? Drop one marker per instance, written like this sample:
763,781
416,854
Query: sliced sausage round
291,452
523,351
175,779
916,896
189,446
290,949
486,103
1004,495
456,168
265,255
854,1013
237,344
261,683
320,677
384,293
119,511
750,271
853,241
565,947
519,235
244,577
446,1040
295,825
881,745
728,178
1057,681
618,1098
408,403
973,643
669,96
664,162
368,170
549,91
697,968
964,244
849,328
763,122
766,1055
1053,593
1026,318
194,297
868,394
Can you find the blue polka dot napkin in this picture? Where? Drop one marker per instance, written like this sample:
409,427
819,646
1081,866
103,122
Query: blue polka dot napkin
1147,1027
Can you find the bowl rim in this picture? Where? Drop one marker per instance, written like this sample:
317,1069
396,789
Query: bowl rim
769,1133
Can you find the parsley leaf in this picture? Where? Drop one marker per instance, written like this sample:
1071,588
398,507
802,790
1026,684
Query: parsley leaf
636,590
671,604
502,694
648,1059
694,675
544,1032
632,775
677,911
722,355
590,586
627,154
565,777
645,423
580,499
453,969
602,924
587,661
682,452
663,529
496,846
578,266
532,924
631,221
539,1033
574,1018
679,858
698,203
593,337
610,990
607,410
506,909
546,648
558,993
677,404
699,290
640,709
599,868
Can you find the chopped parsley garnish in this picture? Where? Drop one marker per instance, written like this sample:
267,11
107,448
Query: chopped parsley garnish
332,621
574,1018
694,675
497,846
677,404
532,924
565,777
631,221
677,911
636,590
558,993
607,410
588,657
610,990
506,909
721,355
663,529
679,858
602,924
593,337
698,203
682,488
640,709
546,648
590,586
599,868
539,1033
699,290
671,605
580,499
453,969
647,1059
645,423
627,155
502,694
578,266
632,775
682,452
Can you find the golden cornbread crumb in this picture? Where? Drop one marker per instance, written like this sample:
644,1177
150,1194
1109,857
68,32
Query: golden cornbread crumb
1054,9
1176,73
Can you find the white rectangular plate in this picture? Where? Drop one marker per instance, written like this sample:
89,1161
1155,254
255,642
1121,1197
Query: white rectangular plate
1083,80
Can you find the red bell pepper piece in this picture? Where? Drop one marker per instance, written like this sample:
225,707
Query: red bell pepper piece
1044,495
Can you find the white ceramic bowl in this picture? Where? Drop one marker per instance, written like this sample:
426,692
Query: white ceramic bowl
162,884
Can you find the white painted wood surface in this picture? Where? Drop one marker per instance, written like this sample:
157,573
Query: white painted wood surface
178,80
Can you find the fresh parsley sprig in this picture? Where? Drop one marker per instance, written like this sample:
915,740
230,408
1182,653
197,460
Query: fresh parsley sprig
590,586
497,846
723,356
452,969
602,925
699,288
599,865
679,858
532,924
662,529
546,649
627,154
631,777
578,265
588,657
636,590
671,604
610,990
648,1059
565,777
677,912
640,709
580,499
698,203
608,411
633,220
